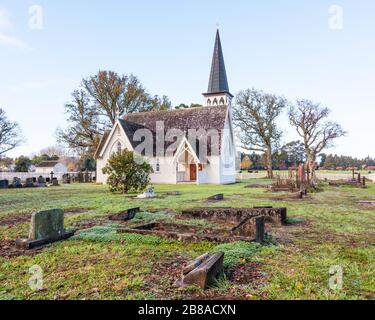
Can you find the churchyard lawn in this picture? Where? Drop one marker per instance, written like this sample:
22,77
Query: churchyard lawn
326,229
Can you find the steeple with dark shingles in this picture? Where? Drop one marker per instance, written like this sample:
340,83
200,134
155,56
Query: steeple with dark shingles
218,77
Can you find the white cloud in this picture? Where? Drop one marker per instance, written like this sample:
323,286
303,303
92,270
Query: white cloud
4,20
10,41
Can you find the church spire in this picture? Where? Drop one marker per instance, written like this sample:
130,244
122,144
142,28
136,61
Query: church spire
218,77
218,82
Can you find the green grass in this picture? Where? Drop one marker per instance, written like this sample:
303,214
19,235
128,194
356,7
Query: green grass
326,229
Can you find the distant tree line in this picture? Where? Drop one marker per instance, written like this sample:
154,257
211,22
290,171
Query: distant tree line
334,161
289,155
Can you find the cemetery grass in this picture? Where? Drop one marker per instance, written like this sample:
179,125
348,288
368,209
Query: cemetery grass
326,229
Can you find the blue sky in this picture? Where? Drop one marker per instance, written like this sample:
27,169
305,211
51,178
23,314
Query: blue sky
285,47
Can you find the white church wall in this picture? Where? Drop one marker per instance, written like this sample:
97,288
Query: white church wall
117,136
166,173
213,170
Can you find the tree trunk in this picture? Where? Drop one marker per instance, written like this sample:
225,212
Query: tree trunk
269,163
310,170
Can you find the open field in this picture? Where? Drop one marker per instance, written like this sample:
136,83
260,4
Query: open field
326,229
321,174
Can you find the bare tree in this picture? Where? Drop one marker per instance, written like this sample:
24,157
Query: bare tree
255,114
84,130
10,134
317,133
113,94
96,105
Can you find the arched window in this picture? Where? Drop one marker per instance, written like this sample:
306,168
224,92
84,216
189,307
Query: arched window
209,102
222,102
215,102
119,147
157,167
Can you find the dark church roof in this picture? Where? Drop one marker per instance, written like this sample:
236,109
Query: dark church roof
47,164
205,118
102,143
218,82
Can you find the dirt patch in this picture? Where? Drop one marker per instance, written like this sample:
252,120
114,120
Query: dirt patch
258,186
8,250
367,204
287,197
164,274
248,273
167,211
69,212
15,219
88,223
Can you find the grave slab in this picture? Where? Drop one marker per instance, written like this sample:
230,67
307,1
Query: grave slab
125,216
45,227
207,269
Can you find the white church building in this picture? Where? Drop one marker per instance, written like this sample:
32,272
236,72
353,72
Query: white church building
194,145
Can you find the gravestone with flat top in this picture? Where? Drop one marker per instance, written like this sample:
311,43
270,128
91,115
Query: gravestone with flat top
4,184
17,182
45,227
29,183
41,182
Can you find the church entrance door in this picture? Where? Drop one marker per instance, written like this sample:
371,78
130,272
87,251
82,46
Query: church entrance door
193,172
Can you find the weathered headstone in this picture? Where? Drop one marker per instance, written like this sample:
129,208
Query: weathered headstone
29,183
17,183
125,216
204,271
259,234
45,227
66,178
4,184
41,182
80,177
55,182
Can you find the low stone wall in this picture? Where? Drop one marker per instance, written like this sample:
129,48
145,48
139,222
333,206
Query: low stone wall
237,215
185,233
25,175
